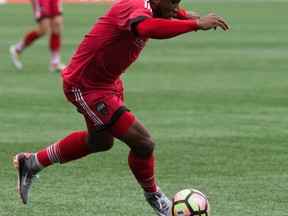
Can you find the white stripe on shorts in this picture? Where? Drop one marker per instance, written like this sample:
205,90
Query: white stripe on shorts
79,98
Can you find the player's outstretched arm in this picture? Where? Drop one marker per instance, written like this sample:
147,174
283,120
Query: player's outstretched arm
158,28
212,21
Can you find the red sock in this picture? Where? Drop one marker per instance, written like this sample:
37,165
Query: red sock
30,37
143,170
70,148
55,42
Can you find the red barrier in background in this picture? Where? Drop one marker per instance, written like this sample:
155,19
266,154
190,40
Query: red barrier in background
63,1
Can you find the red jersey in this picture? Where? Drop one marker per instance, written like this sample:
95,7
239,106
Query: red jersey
109,48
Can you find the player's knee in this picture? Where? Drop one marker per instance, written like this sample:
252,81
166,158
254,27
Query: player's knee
42,31
43,27
150,147
146,148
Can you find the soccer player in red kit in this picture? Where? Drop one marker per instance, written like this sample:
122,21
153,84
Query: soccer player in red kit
48,15
92,83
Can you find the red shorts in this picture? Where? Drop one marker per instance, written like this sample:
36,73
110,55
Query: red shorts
101,108
46,8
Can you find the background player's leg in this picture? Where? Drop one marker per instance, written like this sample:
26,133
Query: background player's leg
55,44
31,36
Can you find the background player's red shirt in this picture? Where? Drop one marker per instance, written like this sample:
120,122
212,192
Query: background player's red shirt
109,48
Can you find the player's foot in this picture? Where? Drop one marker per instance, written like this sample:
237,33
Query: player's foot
15,57
57,67
159,202
25,177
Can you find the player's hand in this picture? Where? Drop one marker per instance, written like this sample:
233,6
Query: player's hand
191,15
212,21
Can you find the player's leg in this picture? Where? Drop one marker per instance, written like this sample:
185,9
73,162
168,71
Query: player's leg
105,110
32,35
55,36
42,27
74,146
29,164
98,141
141,160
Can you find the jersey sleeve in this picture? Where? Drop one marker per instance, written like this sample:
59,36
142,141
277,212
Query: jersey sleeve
162,29
134,12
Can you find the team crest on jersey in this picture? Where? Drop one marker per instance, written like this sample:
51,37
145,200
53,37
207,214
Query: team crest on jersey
102,109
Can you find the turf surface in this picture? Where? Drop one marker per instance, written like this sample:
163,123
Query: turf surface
214,102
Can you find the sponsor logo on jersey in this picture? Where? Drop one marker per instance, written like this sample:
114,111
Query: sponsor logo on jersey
140,43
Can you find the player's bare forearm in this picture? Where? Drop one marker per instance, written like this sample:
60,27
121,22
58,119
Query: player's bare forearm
191,15
212,21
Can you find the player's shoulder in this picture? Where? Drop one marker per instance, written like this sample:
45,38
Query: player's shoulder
132,8
136,3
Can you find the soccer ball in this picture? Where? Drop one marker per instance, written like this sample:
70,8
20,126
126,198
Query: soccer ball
190,202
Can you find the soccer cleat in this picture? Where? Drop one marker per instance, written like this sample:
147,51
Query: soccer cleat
15,57
25,177
159,202
57,67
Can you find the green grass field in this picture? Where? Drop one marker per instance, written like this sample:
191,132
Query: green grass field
216,103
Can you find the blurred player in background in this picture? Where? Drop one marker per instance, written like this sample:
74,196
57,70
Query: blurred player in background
48,15
92,83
